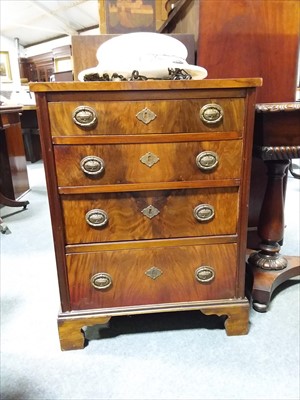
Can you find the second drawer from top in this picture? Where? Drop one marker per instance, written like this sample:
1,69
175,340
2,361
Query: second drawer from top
147,162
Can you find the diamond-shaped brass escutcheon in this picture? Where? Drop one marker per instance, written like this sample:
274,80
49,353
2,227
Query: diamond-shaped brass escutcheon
153,272
149,159
150,211
146,116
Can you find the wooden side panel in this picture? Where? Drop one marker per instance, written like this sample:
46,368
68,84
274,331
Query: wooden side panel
14,177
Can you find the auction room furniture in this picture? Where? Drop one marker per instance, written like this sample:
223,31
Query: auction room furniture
261,38
148,190
31,134
13,170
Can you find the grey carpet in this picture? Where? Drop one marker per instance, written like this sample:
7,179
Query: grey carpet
163,356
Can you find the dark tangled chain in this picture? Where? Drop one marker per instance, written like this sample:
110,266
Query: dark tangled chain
174,74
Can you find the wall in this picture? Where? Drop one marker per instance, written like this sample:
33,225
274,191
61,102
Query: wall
52,44
9,45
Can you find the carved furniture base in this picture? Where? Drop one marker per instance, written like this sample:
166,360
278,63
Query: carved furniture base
70,329
12,203
269,258
71,326
237,317
266,281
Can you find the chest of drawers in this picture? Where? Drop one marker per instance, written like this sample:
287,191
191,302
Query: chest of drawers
148,186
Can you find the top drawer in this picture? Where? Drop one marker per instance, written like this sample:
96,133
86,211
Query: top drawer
142,117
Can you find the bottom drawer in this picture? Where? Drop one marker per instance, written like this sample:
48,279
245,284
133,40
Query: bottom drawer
144,276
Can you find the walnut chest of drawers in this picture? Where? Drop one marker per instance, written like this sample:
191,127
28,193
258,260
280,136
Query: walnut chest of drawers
148,186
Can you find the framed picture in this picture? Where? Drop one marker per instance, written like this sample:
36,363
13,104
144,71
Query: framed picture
124,16
5,71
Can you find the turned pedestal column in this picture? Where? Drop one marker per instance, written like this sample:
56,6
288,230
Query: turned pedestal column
268,266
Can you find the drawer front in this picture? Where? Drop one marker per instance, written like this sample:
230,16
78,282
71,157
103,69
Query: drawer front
150,215
145,163
142,117
151,276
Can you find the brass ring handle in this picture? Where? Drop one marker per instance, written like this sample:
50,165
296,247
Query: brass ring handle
96,217
85,117
205,274
207,160
204,212
211,113
101,281
92,165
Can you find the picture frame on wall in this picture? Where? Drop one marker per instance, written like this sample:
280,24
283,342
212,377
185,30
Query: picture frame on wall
125,16
5,70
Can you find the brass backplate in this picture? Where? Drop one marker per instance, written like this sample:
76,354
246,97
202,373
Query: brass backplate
149,159
150,211
153,272
146,116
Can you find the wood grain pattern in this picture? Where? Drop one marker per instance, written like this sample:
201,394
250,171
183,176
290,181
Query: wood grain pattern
177,162
269,128
252,38
131,243
131,286
126,221
119,117
70,329
61,88
237,322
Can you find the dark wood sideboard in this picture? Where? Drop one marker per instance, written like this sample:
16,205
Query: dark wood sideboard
261,38
13,170
31,134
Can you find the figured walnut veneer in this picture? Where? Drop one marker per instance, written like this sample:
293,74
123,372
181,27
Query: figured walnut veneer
148,199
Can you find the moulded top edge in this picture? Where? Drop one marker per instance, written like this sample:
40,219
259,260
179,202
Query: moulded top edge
146,85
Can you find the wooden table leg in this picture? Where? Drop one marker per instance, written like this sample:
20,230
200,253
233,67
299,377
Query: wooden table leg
269,268
5,201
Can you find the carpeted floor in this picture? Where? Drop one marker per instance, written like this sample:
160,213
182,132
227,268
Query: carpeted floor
162,356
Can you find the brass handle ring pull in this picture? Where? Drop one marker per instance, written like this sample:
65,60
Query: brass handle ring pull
204,212
101,281
85,117
96,217
207,160
211,113
92,165
205,274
